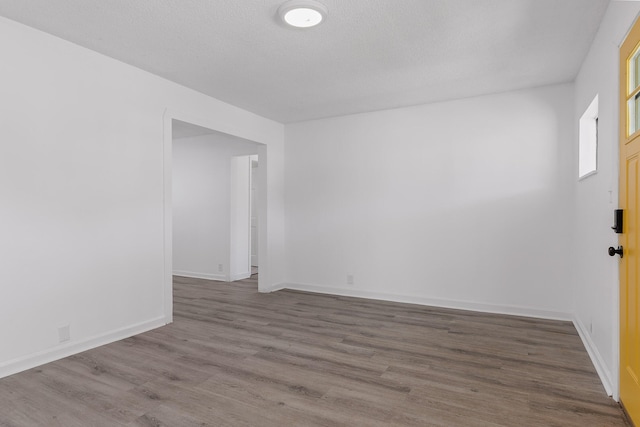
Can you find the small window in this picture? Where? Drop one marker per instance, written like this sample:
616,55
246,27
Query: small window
588,142
633,93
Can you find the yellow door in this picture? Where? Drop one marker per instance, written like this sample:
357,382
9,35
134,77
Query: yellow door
629,239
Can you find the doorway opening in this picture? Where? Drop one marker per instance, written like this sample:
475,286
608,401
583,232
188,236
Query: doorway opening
213,208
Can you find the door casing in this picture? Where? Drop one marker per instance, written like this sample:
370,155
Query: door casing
630,238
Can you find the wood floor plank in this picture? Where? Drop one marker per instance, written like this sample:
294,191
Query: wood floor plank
235,357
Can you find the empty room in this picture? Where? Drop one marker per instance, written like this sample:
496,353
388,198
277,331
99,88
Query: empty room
320,213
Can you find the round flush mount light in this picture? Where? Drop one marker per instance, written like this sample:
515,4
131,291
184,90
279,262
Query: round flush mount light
302,13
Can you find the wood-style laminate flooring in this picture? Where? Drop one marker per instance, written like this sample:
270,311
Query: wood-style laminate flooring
234,357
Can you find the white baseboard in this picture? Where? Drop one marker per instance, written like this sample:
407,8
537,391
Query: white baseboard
209,276
596,357
67,349
206,276
272,288
435,302
240,276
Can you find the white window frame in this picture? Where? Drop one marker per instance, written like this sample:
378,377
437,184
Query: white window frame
588,141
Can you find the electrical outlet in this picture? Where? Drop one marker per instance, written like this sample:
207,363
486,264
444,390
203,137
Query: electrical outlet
64,334
350,279
220,268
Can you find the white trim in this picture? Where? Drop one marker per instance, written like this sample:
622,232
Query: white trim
167,212
596,358
240,276
435,302
588,174
219,124
588,139
197,275
69,348
273,288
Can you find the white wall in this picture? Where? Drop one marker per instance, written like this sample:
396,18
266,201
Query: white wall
462,204
82,194
414,202
595,273
202,203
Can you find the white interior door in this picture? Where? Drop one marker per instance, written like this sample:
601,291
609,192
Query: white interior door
240,243
254,211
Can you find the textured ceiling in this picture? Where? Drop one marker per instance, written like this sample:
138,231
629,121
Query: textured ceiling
368,54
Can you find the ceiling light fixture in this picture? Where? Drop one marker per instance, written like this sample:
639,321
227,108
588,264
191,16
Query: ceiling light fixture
302,13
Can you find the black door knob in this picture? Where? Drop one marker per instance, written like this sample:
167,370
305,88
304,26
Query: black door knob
613,251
